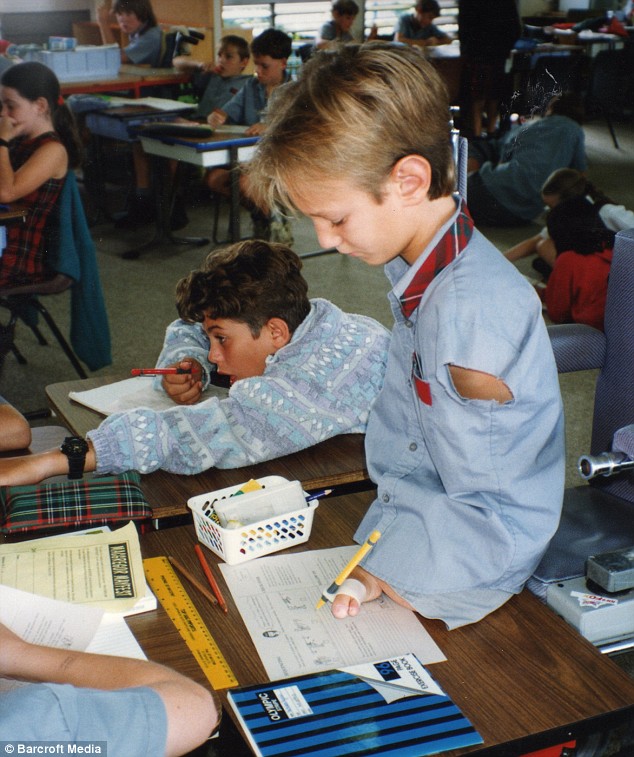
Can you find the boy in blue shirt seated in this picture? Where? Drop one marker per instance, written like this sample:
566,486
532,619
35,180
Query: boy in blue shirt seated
271,50
301,371
418,28
466,440
218,82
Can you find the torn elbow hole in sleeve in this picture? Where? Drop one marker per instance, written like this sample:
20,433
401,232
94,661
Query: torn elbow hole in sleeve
478,385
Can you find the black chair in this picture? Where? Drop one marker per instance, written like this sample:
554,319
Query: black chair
72,254
610,86
599,516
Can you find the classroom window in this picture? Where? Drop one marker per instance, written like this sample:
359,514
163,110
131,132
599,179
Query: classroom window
303,19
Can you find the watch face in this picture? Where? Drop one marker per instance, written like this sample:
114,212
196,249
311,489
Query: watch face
74,445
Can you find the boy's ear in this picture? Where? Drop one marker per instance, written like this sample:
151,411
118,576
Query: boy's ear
279,331
411,177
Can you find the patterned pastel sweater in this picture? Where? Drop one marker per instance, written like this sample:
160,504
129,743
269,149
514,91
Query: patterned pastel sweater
322,384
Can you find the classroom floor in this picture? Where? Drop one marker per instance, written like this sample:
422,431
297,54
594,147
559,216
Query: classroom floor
140,293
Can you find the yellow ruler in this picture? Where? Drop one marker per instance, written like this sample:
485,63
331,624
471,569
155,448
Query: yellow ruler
176,602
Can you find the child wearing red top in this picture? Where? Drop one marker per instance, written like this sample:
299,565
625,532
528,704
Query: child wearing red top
577,287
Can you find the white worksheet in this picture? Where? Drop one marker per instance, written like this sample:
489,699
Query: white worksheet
277,595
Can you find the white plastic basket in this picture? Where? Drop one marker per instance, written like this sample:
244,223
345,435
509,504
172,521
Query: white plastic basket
237,545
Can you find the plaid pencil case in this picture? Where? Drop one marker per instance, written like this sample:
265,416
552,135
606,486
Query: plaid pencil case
86,502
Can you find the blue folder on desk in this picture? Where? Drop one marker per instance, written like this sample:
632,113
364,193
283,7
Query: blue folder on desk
199,138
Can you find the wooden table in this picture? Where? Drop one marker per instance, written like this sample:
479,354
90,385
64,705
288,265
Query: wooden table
524,677
335,462
129,79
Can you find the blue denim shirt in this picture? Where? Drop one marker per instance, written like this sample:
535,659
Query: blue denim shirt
469,491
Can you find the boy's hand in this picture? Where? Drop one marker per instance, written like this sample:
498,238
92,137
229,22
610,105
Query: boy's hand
345,605
184,388
216,118
7,128
255,130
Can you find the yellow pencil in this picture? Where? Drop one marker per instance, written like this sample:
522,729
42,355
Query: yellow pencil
356,559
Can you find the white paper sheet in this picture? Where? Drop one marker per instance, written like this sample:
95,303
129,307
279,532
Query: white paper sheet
130,393
51,623
277,595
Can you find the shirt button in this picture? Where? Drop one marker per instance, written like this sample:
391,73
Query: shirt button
409,324
413,447
386,497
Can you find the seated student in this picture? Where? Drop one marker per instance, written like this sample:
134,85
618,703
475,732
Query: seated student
220,82
15,432
270,51
38,144
418,28
301,370
337,30
136,19
134,706
561,185
466,440
577,287
507,174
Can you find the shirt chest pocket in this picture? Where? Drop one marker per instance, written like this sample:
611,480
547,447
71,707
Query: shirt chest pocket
421,386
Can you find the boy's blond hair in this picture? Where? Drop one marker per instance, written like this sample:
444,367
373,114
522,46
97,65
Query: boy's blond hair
352,115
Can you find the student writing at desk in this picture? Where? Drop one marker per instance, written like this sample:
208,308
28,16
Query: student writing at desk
337,30
418,28
465,441
38,144
302,371
135,706
270,51
218,82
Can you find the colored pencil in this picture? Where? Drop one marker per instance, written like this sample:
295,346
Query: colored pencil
363,550
210,578
192,579
160,371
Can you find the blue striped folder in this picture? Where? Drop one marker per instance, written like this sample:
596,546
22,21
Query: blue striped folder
392,707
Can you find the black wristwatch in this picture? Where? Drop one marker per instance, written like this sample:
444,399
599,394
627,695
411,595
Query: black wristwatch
75,449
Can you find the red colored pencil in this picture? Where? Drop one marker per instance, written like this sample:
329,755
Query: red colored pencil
210,578
160,371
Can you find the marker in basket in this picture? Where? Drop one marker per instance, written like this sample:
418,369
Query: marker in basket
251,486
161,371
334,587
210,577
318,495
192,580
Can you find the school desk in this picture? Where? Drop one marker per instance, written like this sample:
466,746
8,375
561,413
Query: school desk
121,123
226,147
129,79
336,462
525,678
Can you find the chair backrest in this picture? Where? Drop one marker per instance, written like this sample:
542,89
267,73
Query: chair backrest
614,397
